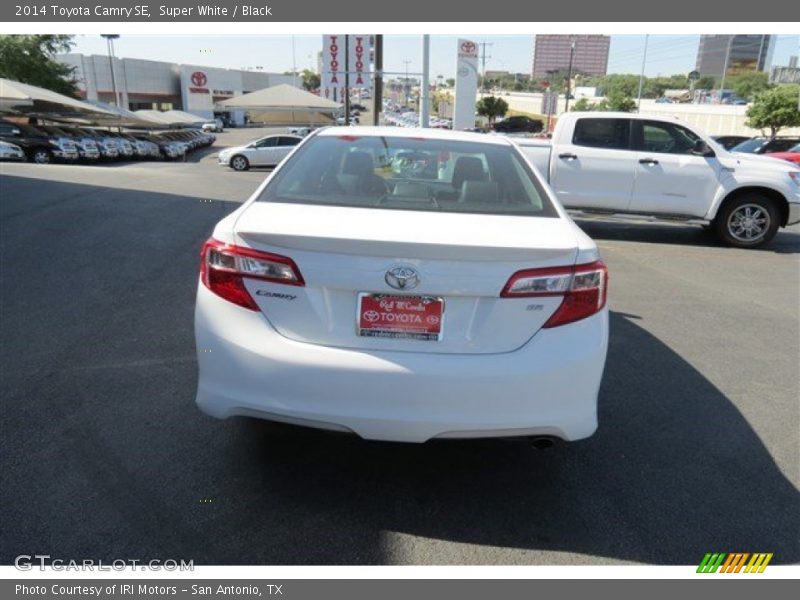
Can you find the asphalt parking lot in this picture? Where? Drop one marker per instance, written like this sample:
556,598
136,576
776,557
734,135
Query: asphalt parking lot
103,454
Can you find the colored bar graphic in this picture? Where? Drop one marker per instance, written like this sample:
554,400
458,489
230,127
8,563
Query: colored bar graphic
734,562
711,562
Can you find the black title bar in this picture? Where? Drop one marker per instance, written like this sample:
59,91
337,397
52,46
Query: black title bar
405,11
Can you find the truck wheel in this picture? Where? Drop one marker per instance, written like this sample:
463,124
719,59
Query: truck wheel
41,156
747,221
239,163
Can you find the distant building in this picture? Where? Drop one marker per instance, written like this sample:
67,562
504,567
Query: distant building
150,84
745,53
551,53
788,74
489,74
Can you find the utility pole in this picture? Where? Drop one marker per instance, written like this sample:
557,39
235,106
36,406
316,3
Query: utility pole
484,58
725,68
425,86
347,80
110,37
569,74
406,85
294,65
378,92
641,76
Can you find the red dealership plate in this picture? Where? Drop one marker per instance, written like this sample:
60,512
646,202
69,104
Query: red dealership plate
400,317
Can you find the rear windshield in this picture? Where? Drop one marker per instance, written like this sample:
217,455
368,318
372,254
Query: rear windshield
410,174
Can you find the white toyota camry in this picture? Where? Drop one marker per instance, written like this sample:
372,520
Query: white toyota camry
404,285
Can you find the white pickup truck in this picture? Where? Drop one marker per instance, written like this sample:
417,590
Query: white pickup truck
622,163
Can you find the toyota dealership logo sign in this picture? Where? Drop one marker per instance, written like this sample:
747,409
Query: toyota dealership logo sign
199,79
468,48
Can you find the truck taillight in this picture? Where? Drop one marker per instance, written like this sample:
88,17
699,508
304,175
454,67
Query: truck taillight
223,268
582,287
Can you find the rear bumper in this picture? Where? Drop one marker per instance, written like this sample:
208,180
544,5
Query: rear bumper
66,154
547,387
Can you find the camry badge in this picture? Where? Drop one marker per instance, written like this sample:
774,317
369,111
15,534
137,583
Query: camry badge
402,278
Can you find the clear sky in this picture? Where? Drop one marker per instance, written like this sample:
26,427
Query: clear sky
667,54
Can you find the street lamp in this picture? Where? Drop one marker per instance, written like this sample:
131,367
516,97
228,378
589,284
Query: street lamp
569,73
406,85
110,37
725,68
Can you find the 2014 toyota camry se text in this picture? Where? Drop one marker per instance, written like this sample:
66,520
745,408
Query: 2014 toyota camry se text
404,285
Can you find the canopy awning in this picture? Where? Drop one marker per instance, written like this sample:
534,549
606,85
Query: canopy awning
157,117
35,102
124,117
279,98
185,117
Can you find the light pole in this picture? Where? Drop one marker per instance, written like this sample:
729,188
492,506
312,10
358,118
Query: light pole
294,65
569,73
641,76
425,90
110,37
406,85
725,67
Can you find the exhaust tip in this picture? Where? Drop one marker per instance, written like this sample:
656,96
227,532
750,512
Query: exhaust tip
543,442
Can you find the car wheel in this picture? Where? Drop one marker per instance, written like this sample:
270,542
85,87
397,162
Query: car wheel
239,163
42,156
748,221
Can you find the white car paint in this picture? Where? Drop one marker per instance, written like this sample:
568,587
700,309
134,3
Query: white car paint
263,152
292,351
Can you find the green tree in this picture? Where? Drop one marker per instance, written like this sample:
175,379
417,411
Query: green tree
747,85
705,83
617,83
619,101
450,82
582,105
775,109
491,107
31,59
311,80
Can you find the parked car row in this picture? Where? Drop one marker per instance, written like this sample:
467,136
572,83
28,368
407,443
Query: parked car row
409,118
43,144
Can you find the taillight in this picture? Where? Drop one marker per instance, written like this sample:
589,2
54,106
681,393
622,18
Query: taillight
583,287
224,267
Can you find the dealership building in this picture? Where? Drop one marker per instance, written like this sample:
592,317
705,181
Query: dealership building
149,84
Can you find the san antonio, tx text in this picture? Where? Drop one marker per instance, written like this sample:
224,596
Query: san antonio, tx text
128,589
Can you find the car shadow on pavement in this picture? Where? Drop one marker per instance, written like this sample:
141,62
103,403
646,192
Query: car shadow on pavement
104,454
785,242
673,472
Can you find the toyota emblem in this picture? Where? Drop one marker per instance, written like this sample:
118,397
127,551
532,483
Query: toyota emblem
402,278
199,78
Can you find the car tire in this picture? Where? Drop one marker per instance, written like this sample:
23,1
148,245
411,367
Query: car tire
41,156
239,163
748,221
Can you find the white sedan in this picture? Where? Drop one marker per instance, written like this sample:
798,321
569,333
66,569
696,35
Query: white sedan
264,152
452,298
